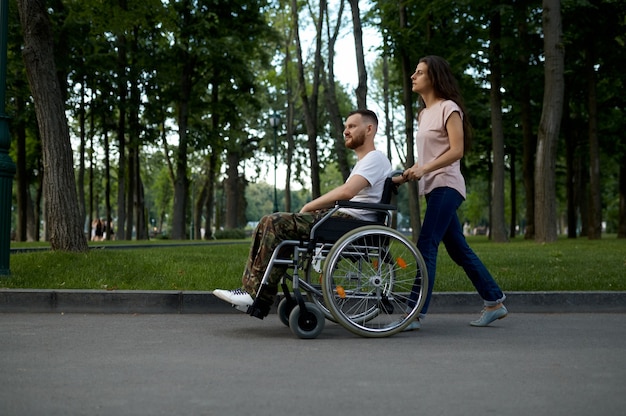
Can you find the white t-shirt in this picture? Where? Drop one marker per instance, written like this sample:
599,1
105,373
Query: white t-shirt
375,168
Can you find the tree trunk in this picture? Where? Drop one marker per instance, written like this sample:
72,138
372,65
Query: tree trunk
107,187
581,179
595,187
38,204
130,186
289,119
235,202
62,211
513,198
407,102
141,224
309,104
81,163
210,200
32,232
529,139
121,138
291,145
332,105
387,105
136,205
361,89
198,203
291,148
621,226
498,223
528,168
213,163
92,197
570,175
545,176
19,129
181,182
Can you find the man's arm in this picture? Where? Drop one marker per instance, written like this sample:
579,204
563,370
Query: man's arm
347,191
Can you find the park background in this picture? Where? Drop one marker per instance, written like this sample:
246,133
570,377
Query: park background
177,117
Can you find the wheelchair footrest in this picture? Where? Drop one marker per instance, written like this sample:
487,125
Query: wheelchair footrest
259,309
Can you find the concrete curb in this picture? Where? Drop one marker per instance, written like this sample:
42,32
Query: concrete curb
185,302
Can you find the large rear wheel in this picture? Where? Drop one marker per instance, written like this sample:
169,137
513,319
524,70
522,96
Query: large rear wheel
374,281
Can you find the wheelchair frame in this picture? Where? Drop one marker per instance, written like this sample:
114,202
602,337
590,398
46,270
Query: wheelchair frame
373,281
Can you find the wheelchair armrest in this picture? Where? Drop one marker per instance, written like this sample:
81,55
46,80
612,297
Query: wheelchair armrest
365,205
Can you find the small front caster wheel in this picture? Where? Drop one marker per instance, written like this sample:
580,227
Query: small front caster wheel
307,324
284,310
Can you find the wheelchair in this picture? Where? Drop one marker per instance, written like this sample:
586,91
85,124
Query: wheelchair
363,275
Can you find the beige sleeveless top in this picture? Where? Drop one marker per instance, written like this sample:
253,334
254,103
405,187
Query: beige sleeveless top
432,140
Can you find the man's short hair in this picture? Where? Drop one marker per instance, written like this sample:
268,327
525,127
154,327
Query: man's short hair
367,114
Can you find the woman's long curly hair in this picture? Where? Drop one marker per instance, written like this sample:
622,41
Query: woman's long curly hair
446,87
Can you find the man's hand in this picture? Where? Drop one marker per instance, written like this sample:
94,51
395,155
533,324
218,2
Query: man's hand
399,180
306,208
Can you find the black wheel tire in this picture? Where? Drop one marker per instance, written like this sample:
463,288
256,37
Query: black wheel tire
284,310
309,324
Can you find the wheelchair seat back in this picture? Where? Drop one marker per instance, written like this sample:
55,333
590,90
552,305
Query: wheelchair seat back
389,190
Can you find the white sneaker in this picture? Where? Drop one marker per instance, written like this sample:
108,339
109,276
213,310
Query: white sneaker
239,298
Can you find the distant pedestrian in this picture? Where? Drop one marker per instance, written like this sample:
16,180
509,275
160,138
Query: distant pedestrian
98,232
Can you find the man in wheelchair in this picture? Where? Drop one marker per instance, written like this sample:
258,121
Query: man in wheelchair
365,184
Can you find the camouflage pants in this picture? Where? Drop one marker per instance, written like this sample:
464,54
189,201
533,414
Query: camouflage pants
269,233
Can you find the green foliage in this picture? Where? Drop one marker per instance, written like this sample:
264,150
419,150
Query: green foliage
236,50
299,198
260,198
330,178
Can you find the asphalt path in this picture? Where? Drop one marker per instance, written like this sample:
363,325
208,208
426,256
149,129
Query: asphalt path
228,364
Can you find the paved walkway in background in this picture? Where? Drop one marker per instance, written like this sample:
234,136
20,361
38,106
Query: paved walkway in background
228,364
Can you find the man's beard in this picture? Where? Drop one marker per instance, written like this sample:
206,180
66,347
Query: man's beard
355,141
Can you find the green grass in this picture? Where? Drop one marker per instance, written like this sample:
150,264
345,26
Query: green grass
520,265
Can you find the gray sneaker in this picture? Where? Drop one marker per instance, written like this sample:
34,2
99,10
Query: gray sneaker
413,326
489,316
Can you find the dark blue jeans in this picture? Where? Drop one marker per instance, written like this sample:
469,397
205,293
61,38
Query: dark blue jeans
441,224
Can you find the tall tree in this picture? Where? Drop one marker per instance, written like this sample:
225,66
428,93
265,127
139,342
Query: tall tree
595,189
406,67
124,231
62,211
290,98
523,84
621,186
545,175
187,77
330,96
498,223
17,86
310,102
361,89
